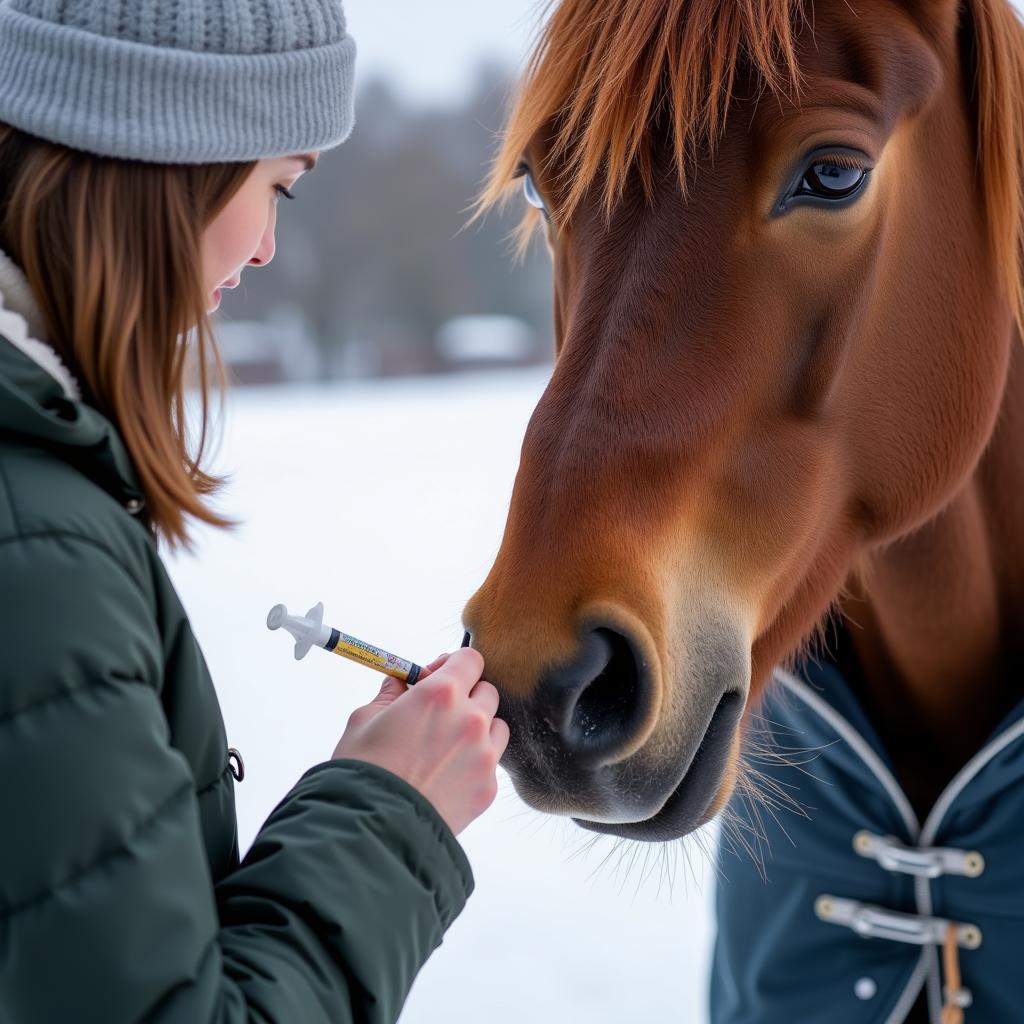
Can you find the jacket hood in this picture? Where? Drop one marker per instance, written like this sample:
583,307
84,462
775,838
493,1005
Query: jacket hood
40,401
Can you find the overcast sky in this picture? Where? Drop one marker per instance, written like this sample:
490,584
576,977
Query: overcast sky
430,50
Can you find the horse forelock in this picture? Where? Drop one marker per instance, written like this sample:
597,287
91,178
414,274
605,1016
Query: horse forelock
603,72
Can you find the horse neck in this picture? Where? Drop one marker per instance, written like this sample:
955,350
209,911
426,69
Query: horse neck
938,617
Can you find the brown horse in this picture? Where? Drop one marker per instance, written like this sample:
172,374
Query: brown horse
789,391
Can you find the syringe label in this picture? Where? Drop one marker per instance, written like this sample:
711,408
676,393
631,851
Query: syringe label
366,654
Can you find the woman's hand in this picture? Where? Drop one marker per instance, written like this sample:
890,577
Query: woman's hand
440,735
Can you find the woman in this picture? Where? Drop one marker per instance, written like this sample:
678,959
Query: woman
142,150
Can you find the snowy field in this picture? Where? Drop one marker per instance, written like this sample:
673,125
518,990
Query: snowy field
386,501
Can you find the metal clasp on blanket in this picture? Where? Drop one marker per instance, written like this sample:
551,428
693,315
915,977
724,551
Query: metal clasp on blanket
927,862
878,923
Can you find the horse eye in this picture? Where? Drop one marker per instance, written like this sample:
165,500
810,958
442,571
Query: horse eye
533,197
831,181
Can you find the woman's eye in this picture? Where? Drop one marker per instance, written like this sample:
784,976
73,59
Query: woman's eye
828,180
281,190
533,197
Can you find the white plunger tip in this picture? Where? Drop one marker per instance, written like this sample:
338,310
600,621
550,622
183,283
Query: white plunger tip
275,620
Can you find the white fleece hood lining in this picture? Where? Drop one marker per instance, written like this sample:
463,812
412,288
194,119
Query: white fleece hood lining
21,323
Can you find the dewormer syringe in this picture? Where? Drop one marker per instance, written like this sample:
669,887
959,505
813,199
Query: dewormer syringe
309,631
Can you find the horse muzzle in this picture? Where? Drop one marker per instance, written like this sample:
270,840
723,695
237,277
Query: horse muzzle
624,744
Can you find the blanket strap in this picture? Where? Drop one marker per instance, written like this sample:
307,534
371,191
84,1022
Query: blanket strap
957,997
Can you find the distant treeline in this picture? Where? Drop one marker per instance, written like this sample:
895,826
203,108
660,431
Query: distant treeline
375,250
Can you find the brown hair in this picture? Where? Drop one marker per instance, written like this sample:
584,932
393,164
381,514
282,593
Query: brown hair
112,251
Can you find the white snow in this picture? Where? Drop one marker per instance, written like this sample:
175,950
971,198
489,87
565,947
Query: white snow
386,500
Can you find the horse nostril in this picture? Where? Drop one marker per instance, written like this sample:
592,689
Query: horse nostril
598,701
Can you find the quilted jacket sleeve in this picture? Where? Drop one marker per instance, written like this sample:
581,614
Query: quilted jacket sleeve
107,907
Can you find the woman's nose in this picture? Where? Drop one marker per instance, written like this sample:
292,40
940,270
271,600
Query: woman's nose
265,253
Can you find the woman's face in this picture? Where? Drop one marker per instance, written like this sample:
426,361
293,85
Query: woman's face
243,232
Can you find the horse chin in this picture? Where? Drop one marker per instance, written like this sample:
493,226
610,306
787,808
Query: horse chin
703,791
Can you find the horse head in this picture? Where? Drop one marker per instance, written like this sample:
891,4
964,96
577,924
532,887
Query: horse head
785,240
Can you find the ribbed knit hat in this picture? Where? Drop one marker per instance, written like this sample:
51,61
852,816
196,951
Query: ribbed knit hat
178,81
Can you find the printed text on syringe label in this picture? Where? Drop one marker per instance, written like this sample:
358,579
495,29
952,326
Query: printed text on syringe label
370,656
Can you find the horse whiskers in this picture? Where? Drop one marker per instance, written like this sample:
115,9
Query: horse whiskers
586,847
775,800
754,716
764,796
790,757
759,786
644,871
768,792
732,831
760,791
741,834
774,757
767,751
626,855
632,849
758,801
618,842
767,743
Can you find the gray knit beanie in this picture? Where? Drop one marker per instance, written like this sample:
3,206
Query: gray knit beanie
178,81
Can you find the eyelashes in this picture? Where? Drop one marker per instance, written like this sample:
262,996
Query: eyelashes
281,190
844,160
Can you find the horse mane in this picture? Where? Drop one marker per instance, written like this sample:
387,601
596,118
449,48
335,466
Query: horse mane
999,99
602,71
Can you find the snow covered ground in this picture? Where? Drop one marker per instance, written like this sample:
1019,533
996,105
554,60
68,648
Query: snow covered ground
386,501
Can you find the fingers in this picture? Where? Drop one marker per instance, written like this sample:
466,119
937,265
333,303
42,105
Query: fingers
485,696
390,690
462,667
499,735
427,670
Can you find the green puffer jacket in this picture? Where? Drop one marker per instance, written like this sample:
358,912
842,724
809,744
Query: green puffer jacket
121,893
